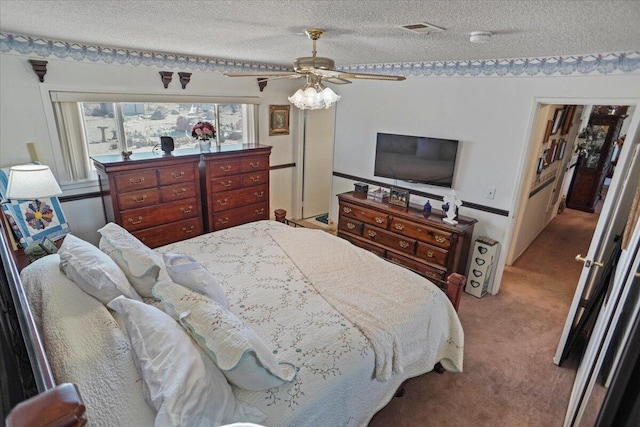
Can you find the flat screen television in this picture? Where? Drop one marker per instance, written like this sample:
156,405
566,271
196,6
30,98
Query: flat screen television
416,159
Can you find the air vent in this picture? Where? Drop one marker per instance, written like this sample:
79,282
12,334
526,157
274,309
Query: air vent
423,28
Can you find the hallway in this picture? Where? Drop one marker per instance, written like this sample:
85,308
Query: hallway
509,378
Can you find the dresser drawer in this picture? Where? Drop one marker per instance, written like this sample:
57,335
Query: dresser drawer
176,174
169,233
365,215
223,168
421,232
364,245
178,192
225,183
233,217
237,198
137,219
145,178
255,178
432,254
349,225
423,269
388,239
253,164
138,199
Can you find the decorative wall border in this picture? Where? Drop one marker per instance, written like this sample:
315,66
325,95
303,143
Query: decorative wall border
624,62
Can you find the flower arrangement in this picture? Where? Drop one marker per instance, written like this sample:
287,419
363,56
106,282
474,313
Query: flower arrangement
203,131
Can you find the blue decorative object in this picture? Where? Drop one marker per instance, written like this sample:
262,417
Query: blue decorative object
426,210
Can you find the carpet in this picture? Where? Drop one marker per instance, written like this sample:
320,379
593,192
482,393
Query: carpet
324,218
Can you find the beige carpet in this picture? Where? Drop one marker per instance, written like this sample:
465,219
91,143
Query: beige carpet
509,377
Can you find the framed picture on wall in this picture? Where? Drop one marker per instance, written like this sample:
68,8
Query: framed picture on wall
554,151
547,132
557,120
568,119
279,119
540,165
562,145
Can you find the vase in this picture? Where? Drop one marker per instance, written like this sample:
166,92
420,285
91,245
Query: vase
205,145
426,210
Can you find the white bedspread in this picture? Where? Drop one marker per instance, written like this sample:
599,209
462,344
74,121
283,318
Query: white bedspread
406,320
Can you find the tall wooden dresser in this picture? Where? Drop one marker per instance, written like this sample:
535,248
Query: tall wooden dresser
155,197
237,187
428,246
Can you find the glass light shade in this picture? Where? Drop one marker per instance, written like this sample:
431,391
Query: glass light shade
30,182
314,97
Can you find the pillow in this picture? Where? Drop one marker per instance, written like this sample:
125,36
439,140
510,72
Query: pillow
179,380
241,355
93,271
141,265
187,271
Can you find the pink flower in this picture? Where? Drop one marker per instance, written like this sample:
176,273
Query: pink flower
203,130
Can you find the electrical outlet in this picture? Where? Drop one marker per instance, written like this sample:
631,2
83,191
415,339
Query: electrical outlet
491,193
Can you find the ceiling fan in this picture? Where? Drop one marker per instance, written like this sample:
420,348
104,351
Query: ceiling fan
316,69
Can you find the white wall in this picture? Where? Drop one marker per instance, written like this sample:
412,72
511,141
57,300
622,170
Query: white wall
23,117
493,118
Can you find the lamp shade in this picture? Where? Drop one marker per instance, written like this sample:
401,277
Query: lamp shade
30,182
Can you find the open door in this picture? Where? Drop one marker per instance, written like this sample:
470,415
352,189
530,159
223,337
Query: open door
602,251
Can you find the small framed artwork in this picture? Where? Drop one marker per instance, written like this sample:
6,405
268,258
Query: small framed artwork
562,145
399,197
48,246
544,158
568,119
540,165
551,157
279,119
547,132
557,120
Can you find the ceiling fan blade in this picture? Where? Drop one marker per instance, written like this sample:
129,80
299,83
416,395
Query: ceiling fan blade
266,74
371,76
288,76
336,80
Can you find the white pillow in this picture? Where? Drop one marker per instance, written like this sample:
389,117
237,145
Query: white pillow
241,355
179,380
142,265
187,271
93,271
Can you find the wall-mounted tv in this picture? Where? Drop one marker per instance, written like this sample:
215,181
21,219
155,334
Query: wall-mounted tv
416,159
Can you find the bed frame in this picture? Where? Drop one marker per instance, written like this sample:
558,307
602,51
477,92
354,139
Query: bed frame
61,405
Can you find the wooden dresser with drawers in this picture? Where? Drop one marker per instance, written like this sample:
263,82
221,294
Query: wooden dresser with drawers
427,246
162,199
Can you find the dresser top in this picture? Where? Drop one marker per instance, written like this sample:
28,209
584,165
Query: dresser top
181,153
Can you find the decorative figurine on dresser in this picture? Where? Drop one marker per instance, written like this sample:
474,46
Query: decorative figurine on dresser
419,242
160,199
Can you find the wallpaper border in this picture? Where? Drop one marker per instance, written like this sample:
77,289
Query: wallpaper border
624,62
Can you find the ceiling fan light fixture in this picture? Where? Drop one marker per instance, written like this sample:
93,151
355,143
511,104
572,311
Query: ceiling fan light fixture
314,96
480,37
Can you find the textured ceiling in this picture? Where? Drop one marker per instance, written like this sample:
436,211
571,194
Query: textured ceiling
357,32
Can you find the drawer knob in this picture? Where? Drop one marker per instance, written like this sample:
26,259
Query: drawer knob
440,239
135,198
222,202
346,209
225,184
430,254
372,233
260,194
188,230
134,182
182,191
186,210
176,176
133,221
226,168
379,220
403,244
350,226
255,178
398,226
259,211
255,164
223,221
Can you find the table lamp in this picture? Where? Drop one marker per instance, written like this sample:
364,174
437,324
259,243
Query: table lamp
31,182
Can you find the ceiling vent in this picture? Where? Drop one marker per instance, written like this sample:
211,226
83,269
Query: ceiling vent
423,28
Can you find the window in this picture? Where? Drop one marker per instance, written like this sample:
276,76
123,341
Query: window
88,128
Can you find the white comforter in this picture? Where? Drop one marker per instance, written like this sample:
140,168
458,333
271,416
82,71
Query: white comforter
304,323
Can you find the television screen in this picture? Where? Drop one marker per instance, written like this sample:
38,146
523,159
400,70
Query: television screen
416,159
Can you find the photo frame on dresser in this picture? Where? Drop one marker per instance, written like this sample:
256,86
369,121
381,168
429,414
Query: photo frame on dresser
399,197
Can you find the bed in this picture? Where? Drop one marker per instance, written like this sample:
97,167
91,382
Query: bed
348,327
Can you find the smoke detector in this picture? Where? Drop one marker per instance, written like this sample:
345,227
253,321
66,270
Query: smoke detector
480,37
